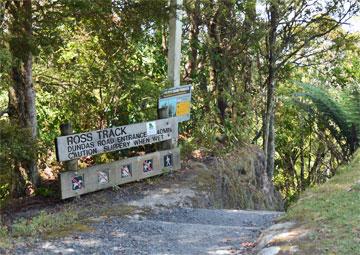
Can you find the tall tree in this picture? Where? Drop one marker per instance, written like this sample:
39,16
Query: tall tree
295,29
269,138
21,107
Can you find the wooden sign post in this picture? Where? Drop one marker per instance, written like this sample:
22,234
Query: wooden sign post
174,53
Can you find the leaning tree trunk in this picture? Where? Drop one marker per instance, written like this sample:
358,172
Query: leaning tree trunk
22,111
269,144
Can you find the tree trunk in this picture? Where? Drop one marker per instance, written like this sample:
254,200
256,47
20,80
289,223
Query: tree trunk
219,55
193,13
269,145
22,109
216,61
250,17
302,158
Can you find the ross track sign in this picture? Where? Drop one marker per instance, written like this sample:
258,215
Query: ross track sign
117,138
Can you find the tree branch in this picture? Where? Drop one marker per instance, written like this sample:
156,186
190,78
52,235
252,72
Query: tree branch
290,55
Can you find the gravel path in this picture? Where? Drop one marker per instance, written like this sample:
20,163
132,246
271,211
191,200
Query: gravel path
168,231
168,218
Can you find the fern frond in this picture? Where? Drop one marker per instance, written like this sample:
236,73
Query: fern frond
342,119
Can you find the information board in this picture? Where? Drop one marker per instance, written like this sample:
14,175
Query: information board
178,100
115,138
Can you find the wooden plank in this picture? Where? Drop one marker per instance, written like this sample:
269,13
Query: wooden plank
75,183
117,138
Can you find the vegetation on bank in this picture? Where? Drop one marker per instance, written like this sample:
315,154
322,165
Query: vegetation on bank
332,212
44,224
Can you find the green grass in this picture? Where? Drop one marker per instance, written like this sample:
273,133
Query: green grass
60,224
4,237
44,224
332,212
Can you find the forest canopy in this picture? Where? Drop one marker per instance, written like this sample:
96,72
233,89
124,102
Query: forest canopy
281,74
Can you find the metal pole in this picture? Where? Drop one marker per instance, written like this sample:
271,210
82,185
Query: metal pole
174,53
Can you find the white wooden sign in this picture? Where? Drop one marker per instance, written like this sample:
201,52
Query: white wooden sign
115,138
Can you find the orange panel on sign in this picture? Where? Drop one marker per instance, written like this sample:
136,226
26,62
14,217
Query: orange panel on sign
182,108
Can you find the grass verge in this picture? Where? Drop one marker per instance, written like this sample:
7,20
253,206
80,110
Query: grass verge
44,224
332,212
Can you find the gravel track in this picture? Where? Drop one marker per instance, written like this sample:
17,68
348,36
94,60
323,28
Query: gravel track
168,231
167,218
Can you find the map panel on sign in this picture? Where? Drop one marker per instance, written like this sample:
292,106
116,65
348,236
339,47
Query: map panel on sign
170,103
183,108
178,101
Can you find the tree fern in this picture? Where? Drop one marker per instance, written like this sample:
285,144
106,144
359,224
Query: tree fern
350,102
341,118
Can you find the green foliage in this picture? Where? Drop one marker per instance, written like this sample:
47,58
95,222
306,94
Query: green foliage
340,119
16,145
4,237
43,223
99,87
350,101
3,231
45,192
5,60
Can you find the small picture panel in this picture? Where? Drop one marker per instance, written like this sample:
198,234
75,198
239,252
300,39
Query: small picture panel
77,182
126,171
103,177
170,103
168,160
147,165
151,128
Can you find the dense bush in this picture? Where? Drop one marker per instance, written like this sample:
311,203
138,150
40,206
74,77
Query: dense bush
16,146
